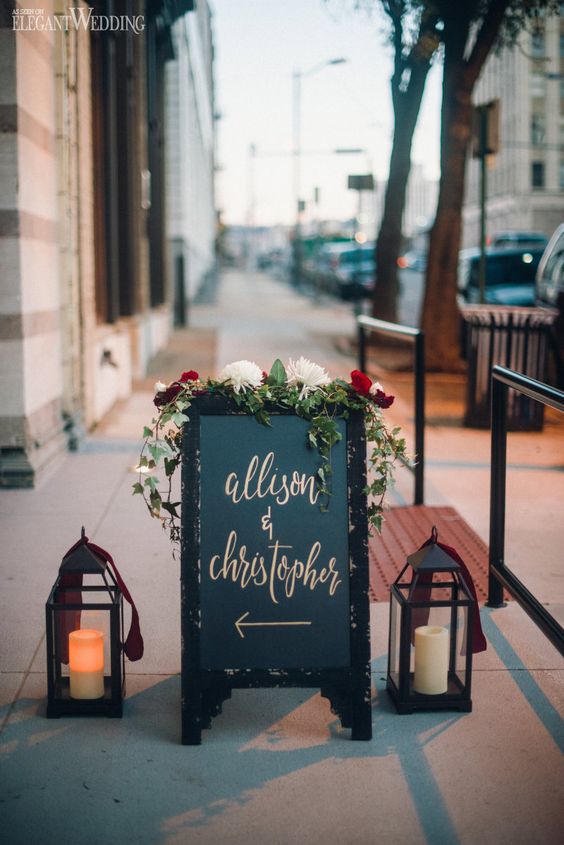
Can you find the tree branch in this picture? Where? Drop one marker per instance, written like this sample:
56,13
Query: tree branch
395,10
485,39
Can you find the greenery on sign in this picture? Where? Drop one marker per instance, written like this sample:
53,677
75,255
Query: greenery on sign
306,389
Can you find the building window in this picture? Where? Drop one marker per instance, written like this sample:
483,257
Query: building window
538,84
537,174
538,127
538,44
116,168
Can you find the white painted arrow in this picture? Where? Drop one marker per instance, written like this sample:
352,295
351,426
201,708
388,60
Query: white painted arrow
240,624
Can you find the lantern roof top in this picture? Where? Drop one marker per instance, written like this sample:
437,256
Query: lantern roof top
433,558
82,559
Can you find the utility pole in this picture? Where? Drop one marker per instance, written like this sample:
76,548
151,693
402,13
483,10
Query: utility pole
486,142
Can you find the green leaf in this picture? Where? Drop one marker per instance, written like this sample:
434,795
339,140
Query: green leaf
147,432
137,488
262,417
156,452
277,375
170,465
170,507
179,419
155,500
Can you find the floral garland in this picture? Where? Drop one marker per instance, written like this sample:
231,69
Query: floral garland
302,386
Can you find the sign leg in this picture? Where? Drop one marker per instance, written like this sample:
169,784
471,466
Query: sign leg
362,710
192,717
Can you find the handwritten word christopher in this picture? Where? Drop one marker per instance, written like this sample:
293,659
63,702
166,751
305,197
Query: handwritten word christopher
260,482
277,571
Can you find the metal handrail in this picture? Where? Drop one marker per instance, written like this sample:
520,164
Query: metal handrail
370,324
499,574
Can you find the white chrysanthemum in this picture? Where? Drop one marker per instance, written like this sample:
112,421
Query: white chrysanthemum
307,374
241,375
374,387
159,386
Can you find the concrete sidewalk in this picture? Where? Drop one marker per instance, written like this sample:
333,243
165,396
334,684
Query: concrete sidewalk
276,766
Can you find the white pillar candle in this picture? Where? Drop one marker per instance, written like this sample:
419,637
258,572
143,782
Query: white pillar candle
431,660
86,663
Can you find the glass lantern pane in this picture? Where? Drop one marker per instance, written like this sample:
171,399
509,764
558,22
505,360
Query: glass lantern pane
461,652
394,647
82,653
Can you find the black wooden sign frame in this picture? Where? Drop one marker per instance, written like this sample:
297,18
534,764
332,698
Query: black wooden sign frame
348,688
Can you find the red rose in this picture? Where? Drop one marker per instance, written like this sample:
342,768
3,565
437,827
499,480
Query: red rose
361,383
191,375
163,397
382,400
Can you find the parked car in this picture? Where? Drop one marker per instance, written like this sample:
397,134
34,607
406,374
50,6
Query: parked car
346,269
549,291
510,275
518,240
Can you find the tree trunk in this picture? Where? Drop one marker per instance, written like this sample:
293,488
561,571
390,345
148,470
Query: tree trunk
388,245
440,316
389,242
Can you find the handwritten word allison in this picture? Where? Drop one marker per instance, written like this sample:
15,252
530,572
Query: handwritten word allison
278,572
260,482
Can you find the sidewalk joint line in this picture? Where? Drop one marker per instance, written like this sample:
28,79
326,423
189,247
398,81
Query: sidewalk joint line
26,675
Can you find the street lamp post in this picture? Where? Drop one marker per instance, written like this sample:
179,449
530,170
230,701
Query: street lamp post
299,206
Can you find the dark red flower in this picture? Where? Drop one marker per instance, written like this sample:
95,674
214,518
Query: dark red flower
361,383
163,397
382,400
191,375
264,376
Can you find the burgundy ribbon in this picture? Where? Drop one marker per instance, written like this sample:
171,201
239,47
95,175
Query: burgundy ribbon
133,646
422,592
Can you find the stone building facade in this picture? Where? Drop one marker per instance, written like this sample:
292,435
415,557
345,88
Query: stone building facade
525,180
86,296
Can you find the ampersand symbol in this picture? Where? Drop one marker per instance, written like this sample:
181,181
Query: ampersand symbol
266,522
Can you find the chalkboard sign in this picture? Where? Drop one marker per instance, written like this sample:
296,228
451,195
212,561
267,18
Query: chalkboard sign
274,586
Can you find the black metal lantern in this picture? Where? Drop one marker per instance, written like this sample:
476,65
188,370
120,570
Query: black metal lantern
85,656
432,610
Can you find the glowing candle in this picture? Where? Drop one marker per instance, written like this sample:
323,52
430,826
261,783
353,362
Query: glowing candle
431,660
86,663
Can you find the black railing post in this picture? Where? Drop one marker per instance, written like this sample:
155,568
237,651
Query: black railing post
501,574
420,418
361,347
497,488
369,324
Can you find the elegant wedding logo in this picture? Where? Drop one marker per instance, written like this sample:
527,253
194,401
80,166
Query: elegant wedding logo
35,20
